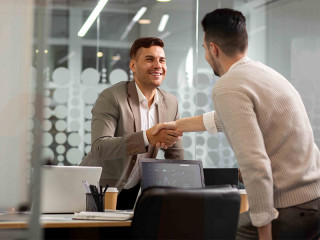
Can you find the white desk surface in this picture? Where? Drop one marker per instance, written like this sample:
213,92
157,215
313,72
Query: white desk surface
61,221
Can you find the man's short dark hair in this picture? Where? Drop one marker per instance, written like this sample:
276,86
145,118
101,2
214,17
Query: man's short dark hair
145,43
226,28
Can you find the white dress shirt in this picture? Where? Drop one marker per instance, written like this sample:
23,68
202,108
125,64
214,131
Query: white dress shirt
149,118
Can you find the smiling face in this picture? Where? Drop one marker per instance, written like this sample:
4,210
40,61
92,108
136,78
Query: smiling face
149,67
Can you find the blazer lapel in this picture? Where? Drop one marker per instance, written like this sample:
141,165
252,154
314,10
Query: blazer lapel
161,108
161,116
133,101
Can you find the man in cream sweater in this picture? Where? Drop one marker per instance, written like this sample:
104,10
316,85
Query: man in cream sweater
266,124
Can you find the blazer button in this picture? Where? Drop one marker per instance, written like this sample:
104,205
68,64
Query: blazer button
133,161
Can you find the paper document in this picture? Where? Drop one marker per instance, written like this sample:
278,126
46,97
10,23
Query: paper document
107,216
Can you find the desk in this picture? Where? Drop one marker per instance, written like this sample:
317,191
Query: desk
61,226
64,221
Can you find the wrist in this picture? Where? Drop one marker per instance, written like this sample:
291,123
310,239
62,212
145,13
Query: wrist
265,232
176,124
149,135
145,138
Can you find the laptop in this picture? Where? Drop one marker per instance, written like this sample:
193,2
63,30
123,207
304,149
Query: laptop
220,176
62,190
171,173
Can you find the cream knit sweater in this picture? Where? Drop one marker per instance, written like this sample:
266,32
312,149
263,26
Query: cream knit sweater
266,124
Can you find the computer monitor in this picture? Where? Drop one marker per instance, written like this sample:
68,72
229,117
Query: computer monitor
220,176
171,173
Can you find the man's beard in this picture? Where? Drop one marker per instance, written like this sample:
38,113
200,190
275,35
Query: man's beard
216,73
214,67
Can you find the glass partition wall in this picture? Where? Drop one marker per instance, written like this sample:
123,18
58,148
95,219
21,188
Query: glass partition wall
79,68
283,34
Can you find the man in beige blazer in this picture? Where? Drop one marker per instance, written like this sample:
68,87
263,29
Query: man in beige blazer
122,121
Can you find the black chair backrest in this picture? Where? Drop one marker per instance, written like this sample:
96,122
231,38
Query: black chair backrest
176,213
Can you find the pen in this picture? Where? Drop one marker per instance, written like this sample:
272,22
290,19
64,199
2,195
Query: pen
98,187
105,188
86,186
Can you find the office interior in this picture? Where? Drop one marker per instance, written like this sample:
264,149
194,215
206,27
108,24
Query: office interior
50,76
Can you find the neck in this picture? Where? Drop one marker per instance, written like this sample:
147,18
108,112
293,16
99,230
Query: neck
227,62
149,93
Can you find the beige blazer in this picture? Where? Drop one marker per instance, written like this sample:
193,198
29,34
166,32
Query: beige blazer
116,134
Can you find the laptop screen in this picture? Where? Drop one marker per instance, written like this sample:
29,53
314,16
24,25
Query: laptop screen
171,173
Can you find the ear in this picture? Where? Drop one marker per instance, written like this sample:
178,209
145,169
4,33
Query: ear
214,49
132,65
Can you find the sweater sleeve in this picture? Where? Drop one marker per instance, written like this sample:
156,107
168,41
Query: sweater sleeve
211,122
241,127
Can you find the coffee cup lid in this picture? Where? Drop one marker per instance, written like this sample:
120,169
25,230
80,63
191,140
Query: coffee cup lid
112,189
242,191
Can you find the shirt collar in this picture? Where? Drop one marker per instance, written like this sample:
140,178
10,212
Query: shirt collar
143,98
239,62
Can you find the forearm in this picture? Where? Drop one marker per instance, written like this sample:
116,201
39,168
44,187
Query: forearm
191,124
265,232
108,148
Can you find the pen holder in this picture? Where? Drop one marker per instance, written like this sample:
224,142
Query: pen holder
94,202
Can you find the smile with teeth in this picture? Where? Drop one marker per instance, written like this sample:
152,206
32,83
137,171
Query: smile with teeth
156,74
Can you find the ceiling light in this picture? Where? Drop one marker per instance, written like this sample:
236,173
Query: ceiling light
164,35
163,0
133,21
144,21
99,54
95,13
65,58
139,14
163,22
116,57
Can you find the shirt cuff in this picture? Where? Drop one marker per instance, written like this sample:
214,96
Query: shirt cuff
146,142
209,122
261,219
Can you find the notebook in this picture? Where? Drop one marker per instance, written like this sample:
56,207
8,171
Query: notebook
220,176
171,173
111,215
62,190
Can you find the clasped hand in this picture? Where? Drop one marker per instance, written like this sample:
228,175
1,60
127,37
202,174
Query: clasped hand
163,135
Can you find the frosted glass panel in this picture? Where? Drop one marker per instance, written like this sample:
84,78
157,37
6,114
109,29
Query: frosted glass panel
16,96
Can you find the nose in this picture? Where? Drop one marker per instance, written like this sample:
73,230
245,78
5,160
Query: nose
157,64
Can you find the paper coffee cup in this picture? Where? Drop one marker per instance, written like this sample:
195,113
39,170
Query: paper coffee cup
244,205
110,198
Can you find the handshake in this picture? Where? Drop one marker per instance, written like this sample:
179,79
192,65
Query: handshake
164,135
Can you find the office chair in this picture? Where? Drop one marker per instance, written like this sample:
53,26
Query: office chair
176,213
